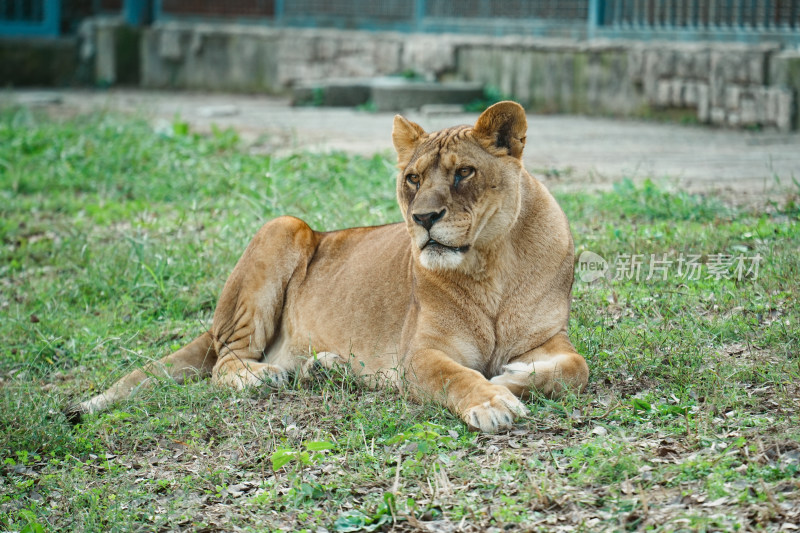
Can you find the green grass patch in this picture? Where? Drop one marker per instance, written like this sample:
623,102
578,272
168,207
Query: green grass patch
117,238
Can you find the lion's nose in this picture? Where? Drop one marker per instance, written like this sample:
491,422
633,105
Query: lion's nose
427,220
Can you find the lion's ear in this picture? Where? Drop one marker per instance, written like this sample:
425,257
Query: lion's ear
504,125
405,136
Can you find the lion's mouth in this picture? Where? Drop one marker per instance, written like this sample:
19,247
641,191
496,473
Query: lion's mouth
436,245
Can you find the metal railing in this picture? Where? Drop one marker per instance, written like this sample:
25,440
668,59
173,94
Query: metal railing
738,20
745,14
494,17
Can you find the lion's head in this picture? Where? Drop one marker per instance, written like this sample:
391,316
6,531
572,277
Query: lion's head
458,188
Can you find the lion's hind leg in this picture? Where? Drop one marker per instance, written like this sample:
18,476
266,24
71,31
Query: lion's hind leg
241,363
248,315
551,369
196,359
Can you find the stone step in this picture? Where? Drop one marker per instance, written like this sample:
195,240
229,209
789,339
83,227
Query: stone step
386,93
397,94
346,92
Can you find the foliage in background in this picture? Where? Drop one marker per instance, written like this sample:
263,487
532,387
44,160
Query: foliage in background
491,95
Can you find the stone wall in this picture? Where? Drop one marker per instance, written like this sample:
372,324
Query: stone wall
111,51
725,84
252,58
556,77
722,84
784,75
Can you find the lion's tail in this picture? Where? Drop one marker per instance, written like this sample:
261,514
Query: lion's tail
196,359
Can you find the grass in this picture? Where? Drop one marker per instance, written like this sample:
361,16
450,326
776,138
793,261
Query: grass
116,240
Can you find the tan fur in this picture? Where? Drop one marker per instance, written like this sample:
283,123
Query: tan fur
473,320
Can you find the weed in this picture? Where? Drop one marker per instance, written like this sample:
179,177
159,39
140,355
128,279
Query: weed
491,95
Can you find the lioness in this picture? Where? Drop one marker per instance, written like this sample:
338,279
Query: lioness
466,302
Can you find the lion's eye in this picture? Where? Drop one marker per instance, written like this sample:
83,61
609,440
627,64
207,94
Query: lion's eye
463,173
413,179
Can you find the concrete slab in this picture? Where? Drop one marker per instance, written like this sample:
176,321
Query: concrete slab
350,92
397,94
389,93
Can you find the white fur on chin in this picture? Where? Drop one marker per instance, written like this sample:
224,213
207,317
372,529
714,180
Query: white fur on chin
440,259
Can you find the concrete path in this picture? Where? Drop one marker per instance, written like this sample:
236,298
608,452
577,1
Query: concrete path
568,152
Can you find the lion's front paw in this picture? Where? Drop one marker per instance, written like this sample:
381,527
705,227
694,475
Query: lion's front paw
496,413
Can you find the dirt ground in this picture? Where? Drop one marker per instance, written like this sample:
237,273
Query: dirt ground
567,152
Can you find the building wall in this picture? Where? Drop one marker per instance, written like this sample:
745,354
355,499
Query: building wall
729,84
725,84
